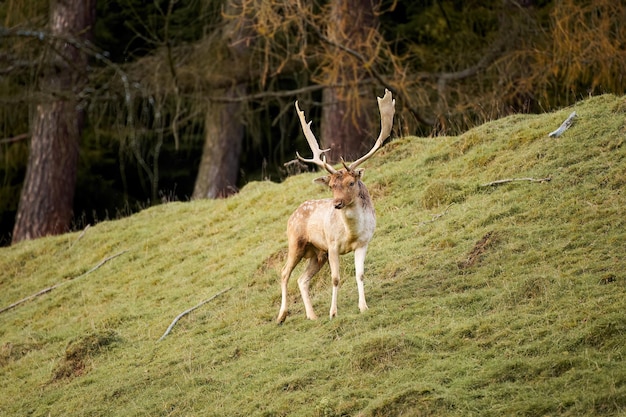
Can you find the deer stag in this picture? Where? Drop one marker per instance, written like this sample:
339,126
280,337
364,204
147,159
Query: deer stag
321,230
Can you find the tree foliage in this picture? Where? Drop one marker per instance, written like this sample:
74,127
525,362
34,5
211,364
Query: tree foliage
157,67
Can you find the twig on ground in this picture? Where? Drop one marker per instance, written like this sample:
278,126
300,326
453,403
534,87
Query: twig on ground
102,262
436,216
499,182
30,297
184,313
47,290
81,235
564,126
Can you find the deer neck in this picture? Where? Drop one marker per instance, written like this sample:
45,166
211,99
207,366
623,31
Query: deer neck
359,216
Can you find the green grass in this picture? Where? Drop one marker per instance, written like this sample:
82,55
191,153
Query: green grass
484,301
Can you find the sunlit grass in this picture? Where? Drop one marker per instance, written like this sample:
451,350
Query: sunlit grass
502,300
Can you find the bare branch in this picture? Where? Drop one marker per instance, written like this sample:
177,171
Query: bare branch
173,73
283,93
377,75
16,138
83,45
499,182
81,235
436,216
564,126
184,313
47,290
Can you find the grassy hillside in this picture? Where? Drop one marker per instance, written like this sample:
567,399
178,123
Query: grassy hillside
484,300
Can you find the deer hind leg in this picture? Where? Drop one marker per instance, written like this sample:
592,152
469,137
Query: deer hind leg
359,266
293,258
315,264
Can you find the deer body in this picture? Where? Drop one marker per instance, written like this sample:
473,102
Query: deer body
322,230
319,231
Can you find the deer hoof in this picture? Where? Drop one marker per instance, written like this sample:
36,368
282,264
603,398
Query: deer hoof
281,317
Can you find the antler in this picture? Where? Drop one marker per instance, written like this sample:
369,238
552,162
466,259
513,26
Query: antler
318,159
387,107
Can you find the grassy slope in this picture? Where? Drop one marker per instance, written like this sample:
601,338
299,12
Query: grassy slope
483,300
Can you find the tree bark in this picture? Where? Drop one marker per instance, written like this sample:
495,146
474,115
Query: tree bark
219,167
345,129
224,130
46,201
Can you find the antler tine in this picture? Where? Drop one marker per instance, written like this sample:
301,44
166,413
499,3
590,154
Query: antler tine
387,107
318,158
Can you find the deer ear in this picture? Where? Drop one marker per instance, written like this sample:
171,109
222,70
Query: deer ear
325,180
359,173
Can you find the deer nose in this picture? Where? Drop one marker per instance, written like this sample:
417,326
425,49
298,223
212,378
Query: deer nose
339,204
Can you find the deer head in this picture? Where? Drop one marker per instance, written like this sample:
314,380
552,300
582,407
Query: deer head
346,182
346,186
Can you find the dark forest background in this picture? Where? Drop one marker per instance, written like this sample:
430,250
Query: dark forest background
169,100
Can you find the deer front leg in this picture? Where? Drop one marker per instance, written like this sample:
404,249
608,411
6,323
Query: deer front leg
333,260
359,266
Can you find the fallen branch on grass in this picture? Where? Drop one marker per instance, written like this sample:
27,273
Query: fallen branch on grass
499,182
184,313
102,262
81,235
47,290
436,216
564,126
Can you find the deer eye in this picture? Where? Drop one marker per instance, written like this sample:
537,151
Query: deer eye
352,184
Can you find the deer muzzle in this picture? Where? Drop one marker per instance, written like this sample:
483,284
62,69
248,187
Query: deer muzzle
339,203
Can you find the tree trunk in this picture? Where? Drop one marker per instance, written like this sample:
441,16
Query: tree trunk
219,167
346,129
345,134
47,196
224,130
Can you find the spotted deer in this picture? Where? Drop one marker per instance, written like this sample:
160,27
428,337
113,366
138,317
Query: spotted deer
321,230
